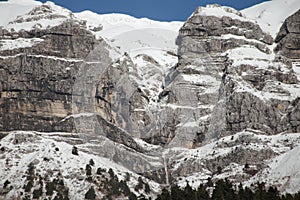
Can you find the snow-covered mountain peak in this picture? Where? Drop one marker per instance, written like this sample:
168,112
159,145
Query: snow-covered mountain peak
18,7
151,109
22,2
219,11
113,26
271,14
50,8
137,37
40,16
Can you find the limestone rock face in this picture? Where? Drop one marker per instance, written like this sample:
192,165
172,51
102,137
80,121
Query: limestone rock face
288,39
227,80
63,79
211,25
36,82
249,88
44,84
226,99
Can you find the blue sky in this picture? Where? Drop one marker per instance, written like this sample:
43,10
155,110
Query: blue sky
163,10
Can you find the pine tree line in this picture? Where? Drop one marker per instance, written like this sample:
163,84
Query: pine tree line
225,190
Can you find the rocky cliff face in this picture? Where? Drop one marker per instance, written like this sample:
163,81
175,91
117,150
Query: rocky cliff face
209,82
233,72
288,37
225,99
36,80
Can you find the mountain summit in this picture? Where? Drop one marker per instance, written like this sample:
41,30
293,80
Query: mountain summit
109,106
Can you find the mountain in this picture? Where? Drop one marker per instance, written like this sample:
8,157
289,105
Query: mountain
264,14
99,106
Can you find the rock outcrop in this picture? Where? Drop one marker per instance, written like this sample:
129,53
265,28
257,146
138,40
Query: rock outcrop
36,83
230,100
226,89
288,40
210,93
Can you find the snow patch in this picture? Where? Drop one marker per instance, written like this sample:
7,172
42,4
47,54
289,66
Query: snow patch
220,11
7,44
11,9
271,14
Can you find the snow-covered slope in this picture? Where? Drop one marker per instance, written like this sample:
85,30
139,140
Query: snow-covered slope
150,44
176,105
271,14
282,171
115,24
13,8
48,156
135,36
220,11
43,17
52,153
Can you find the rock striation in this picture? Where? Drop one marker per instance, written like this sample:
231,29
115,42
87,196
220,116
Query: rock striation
37,78
229,100
229,88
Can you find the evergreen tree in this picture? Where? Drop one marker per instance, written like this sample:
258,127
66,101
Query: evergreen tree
218,191
90,194
37,193
202,193
6,183
165,195
50,188
91,162
241,192
229,192
287,197
111,173
100,170
75,151
248,194
260,192
209,182
176,193
297,196
219,170
127,177
273,194
140,184
224,190
88,170
147,188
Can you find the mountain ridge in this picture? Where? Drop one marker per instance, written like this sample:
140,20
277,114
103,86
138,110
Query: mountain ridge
222,100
